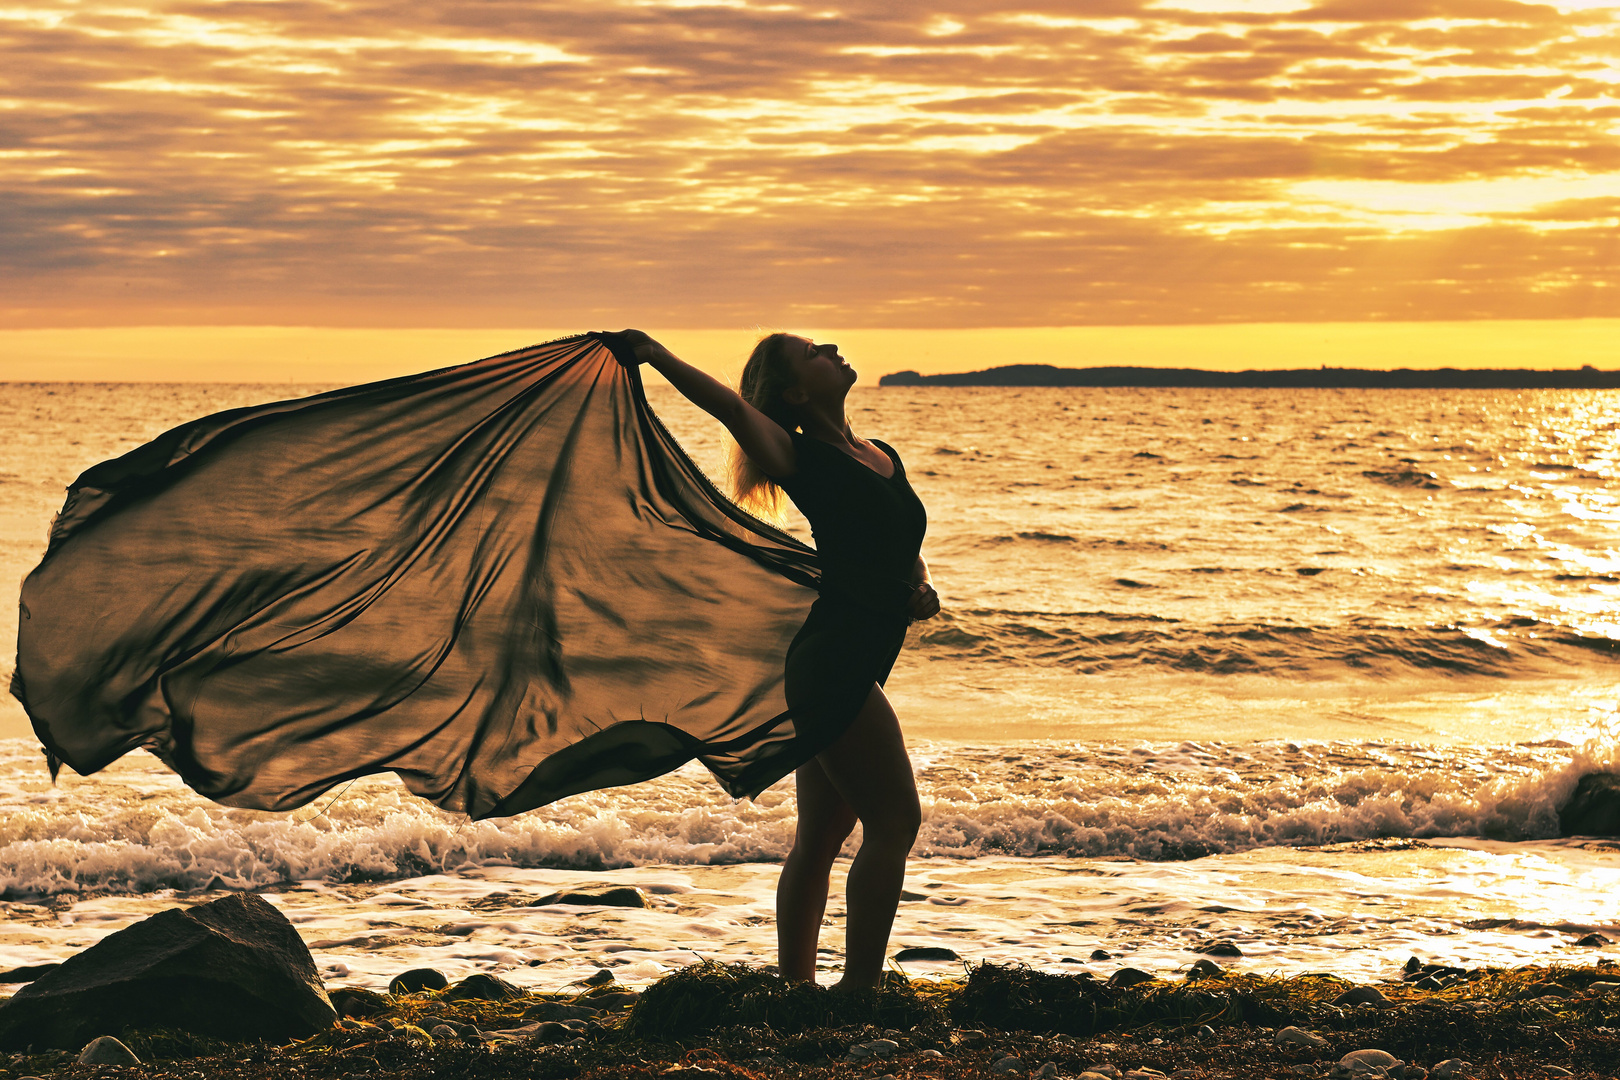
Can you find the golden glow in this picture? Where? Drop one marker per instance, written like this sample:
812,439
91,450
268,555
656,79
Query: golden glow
322,354
702,163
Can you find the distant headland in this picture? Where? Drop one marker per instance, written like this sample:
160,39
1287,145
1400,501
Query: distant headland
1583,378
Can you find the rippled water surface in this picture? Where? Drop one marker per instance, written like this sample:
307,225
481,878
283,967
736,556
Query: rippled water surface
1333,658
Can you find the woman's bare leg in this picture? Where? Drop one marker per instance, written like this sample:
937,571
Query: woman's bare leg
868,767
825,820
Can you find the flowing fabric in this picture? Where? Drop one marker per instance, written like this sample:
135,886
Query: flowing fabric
504,582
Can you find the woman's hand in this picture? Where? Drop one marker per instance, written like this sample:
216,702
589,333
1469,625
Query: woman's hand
924,603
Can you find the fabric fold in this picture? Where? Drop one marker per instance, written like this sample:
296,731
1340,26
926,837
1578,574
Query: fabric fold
505,582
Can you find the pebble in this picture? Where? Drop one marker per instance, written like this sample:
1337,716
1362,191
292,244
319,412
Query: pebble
1300,1037
1450,1069
927,952
1219,948
1593,941
1101,954
443,1031
107,1050
1365,1061
1363,995
1110,1071
1008,1065
930,1054
1047,1071
602,977
1604,987
1205,969
409,982
1207,1033
1128,976
1556,1070
1428,982
1089,1075
969,1036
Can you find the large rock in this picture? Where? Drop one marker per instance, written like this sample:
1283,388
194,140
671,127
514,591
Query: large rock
1594,809
234,968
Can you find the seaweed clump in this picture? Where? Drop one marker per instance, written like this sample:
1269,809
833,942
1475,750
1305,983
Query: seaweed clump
709,997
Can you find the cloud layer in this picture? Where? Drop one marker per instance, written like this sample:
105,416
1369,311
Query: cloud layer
976,163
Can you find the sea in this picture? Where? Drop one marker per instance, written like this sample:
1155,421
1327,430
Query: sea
1308,672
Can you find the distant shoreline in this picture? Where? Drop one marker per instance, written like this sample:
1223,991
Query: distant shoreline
1330,378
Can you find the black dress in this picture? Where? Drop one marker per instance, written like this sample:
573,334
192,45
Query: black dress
869,531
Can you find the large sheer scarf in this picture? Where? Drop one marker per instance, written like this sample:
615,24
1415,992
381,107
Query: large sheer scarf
504,582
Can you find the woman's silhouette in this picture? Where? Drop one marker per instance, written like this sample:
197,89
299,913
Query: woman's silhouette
794,437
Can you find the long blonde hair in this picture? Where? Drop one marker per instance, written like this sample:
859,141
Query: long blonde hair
767,373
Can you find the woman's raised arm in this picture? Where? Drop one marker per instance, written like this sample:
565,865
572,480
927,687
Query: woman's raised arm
761,438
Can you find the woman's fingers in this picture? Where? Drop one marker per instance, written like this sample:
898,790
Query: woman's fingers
924,602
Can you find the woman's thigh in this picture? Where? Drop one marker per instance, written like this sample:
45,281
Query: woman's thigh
869,768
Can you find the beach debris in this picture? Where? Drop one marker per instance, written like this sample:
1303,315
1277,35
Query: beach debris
1593,941
1363,995
1205,969
926,952
1300,1037
1368,1063
1594,808
1219,948
106,1050
1008,1065
1128,976
233,968
353,1001
417,979
482,988
626,896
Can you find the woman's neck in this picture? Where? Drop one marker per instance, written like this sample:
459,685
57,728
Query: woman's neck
826,424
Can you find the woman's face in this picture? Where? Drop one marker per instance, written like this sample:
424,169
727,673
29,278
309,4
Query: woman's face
820,374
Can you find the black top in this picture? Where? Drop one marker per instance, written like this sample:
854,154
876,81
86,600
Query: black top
868,527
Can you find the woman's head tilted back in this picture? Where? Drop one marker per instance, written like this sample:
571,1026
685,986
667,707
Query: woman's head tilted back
765,377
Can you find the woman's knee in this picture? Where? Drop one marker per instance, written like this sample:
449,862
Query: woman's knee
897,819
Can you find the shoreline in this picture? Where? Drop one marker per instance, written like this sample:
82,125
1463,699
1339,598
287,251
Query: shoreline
741,1021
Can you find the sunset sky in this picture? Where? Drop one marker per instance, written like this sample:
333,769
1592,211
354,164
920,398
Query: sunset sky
852,164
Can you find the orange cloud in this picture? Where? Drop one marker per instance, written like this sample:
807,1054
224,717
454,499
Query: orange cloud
859,163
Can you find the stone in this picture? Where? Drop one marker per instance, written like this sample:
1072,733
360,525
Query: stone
613,1002
1541,990
27,973
1556,1070
1603,987
557,1010
482,988
1128,976
1296,1036
600,977
1428,982
969,1037
1206,1033
1593,941
1594,808
1047,1071
1104,1069
1008,1065
444,1031
417,979
627,896
1205,969
1413,965
1367,1061
353,1001
926,952
107,1050
1090,1075
234,968
1101,954
1219,948
883,1047
1363,995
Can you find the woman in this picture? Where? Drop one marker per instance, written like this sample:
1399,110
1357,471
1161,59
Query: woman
793,434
